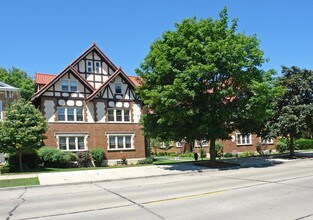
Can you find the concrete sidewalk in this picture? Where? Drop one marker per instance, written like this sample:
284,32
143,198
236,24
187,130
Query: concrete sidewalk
108,174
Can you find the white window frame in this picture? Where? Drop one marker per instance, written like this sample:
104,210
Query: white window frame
97,69
178,144
66,114
116,86
76,136
204,143
123,115
124,135
239,138
69,82
266,141
89,66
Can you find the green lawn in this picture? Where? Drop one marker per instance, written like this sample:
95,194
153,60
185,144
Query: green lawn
19,182
159,160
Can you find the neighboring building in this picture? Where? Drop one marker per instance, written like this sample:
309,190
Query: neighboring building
90,104
237,143
8,94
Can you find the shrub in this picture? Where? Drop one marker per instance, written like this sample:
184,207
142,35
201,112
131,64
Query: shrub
124,161
84,159
97,155
281,147
218,146
228,154
52,157
202,153
5,169
304,144
186,154
30,161
148,160
260,148
246,154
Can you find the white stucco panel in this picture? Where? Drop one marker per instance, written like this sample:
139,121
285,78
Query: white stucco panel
90,112
101,111
49,110
136,112
82,66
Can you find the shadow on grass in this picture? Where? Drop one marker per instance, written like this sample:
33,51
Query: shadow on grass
224,164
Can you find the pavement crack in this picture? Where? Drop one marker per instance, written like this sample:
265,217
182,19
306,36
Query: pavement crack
131,201
22,200
304,217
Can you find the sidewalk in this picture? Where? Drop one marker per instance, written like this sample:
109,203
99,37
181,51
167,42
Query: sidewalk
88,176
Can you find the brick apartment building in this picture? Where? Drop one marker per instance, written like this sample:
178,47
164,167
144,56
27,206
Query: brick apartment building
89,104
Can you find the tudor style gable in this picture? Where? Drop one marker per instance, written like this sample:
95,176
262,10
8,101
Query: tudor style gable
63,98
94,66
115,100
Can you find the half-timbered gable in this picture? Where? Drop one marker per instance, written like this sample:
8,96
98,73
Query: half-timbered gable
115,100
92,103
94,66
63,99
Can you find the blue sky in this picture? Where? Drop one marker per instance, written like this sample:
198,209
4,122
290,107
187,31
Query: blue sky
46,36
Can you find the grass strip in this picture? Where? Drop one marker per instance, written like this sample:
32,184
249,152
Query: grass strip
19,182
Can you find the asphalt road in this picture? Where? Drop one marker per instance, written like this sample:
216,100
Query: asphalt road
283,191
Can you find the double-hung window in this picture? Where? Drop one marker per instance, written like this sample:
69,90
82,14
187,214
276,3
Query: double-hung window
267,140
72,142
97,67
118,88
64,85
120,141
244,139
89,66
68,85
70,114
118,115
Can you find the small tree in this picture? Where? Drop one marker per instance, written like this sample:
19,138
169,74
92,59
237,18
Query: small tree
293,111
20,79
22,130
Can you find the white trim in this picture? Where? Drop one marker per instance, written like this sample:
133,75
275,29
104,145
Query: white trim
66,114
178,144
67,136
89,66
97,69
123,115
247,139
124,135
267,141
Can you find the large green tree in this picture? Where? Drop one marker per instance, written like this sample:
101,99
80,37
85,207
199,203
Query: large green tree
22,130
20,79
197,80
293,111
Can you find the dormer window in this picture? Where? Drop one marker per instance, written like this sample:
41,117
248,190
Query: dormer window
98,66
89,66
118,88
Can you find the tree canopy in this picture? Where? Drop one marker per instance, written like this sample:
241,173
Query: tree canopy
20,79
293,111
22,129
197,80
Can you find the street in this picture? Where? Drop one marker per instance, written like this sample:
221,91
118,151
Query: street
283,191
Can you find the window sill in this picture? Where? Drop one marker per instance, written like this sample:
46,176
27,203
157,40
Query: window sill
115,150
244,145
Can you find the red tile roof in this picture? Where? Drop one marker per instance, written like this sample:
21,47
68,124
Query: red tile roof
135,80
43,78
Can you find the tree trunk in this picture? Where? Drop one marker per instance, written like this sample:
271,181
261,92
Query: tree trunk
212,150
292,145
20,161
